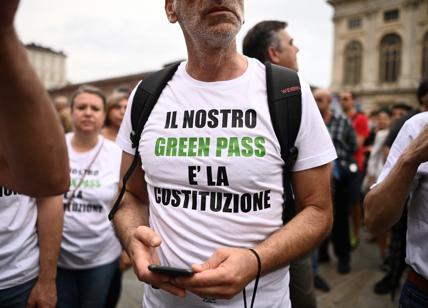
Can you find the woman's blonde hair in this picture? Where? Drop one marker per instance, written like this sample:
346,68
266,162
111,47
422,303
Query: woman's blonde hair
112,101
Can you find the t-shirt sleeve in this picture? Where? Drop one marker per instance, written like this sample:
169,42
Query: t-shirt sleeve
313,140
123,137
403,139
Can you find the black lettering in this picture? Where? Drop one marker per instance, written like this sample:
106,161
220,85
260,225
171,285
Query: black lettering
176,198
222,176
186,194
267,199
225,114
216,206
212,118
188,118
194,200
227,207
246,203
250,118
210,181
192,175
166,196
204,195
201,118
156,193
237,120
258,201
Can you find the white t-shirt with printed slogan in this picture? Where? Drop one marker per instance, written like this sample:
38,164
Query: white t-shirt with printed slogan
19,251
214,174
88,239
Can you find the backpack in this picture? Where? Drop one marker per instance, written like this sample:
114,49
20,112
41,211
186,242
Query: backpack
285,108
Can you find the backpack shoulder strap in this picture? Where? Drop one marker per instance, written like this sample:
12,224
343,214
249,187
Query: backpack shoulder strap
145,98
285,107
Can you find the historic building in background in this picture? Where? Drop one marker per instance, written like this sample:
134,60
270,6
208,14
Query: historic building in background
49,65
380,49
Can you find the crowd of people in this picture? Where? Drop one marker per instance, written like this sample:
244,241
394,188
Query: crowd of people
212,202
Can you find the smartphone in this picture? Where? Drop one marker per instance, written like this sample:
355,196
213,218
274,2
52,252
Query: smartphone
171,271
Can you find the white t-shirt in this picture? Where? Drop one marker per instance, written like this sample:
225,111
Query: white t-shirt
88,239
417,219
214,173
19,251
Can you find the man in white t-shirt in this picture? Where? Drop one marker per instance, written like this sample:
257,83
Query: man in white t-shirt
209,184
405,175
270,41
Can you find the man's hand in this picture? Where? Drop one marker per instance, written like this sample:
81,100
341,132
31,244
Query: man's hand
43,295
223,275
124,261
7,13
141,247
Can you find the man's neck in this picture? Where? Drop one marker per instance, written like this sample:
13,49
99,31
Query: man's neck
215,64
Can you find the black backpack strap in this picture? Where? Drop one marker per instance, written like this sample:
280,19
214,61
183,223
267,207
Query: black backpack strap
145,98
285,107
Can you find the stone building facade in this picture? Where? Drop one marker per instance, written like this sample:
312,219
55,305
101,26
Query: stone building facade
108,86
50,65
380,49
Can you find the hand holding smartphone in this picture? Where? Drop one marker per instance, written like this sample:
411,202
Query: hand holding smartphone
171,271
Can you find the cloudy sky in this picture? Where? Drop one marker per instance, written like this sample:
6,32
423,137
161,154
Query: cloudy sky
109,38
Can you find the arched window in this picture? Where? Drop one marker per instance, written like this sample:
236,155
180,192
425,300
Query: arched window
353,63
425,57
390,58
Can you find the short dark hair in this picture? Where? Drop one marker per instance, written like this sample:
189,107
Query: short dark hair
91,90
260,37
422,90
402,105
384,110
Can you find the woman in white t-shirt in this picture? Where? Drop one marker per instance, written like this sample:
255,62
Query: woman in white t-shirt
89,248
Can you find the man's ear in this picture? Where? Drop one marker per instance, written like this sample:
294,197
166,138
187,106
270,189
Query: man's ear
272,55
170,11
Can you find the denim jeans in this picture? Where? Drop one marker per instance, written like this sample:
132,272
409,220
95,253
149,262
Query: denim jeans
87,288
412,297
17,296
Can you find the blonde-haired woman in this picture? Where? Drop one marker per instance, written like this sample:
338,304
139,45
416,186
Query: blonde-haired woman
89,248
115,110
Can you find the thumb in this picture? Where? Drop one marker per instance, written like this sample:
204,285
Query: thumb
213,262
147,236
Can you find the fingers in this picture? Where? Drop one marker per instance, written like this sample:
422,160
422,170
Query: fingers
223,275
213,262
147,236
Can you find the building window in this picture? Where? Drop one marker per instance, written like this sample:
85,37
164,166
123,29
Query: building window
353,63
391,15
425,57
390,58
354,23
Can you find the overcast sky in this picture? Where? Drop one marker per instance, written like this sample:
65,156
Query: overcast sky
109,38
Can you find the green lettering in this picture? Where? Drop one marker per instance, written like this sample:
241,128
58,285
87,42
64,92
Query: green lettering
204,147
221,144
234,147
192,146
160,147
171,147
259,143
182,146
246,143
